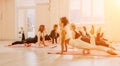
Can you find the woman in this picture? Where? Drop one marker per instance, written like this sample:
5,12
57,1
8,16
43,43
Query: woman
40,38
23,35
102,41
54,34
41,35
22,40
63,33
67,37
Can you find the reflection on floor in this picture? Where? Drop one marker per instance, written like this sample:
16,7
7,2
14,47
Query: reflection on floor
39,57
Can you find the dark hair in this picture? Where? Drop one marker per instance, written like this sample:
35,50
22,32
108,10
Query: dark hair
41,28
64,20
55,26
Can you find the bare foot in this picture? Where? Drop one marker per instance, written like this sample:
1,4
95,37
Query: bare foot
61,52
86,51
27,45
111,52
65,51
112,48
10,45
45,45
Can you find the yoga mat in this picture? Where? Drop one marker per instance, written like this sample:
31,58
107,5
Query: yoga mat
92,53
21,46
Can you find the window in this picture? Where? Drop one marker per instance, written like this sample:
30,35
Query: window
86,11
25,16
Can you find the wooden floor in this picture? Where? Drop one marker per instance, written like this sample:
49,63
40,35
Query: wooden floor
39,57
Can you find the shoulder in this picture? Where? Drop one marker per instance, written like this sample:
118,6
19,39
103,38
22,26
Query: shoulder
38,32
53,31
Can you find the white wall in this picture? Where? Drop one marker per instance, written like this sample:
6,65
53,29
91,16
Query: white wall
59,8
112,19
54,12
112,16
25,3
1,17
43,16
8,20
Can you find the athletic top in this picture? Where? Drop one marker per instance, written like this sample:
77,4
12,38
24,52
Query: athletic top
68,32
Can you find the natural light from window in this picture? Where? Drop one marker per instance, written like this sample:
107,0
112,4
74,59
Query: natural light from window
86,11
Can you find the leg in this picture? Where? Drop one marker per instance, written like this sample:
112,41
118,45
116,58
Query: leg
43,42
66,47
81,44
101,43
23,37
62,48
110,45
16,42
56,40
52,40
105,44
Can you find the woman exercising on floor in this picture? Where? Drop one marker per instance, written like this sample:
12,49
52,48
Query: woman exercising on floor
67,38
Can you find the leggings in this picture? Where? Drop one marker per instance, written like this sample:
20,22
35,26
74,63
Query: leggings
84,45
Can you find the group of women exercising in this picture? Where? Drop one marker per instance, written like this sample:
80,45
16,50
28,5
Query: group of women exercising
69,36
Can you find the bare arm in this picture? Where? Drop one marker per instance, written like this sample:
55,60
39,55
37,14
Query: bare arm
38,40
43,38
63,36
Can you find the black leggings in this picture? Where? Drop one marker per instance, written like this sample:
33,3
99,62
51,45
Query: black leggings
18,42
54,39
28,40
98,42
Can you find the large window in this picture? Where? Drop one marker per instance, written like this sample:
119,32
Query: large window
25,16
86,11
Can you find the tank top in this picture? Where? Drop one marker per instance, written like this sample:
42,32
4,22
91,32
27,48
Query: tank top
68,32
